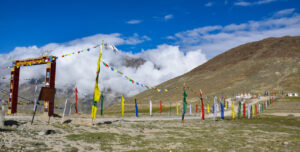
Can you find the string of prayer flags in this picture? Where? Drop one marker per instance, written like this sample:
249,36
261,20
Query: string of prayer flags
123,104
136,109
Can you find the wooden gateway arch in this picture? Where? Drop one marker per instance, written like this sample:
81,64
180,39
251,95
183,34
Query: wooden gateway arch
50,62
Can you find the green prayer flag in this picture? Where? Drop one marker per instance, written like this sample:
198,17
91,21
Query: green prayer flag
240,107
184,104
102,99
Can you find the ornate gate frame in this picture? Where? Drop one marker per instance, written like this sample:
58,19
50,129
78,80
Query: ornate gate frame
49,81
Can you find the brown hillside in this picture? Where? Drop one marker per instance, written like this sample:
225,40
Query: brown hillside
270,64
264,49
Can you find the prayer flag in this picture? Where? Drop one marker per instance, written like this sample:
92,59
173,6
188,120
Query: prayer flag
215,107
150,108
253,110
249,111
239,111
123,104
222,110
184,105
136,109
208,108
102,100
76,100
190,109
202,106
160,106
177,109
232,110
97,92
244,110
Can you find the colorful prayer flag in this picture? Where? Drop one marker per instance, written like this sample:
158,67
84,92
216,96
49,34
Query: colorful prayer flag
136,109
184,105
97,92
123,104
232,110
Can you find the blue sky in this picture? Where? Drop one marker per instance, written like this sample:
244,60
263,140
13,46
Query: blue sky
39,22
172,36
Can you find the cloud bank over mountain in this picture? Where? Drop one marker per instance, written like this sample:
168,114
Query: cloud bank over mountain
158,64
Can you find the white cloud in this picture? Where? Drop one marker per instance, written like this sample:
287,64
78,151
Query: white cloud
161,63
169,16
252,3
242,3
217,39
284,12
209,4
134,21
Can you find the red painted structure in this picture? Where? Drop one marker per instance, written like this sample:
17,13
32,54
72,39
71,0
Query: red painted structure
50,62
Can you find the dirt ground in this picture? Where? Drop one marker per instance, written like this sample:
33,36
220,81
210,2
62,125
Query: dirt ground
264,132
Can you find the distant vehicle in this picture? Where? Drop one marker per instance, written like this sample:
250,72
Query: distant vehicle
292,95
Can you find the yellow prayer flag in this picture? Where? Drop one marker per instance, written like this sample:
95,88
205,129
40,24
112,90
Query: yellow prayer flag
166,90
97,92
177,110
123,106
208,108
253,111
232,110
94,111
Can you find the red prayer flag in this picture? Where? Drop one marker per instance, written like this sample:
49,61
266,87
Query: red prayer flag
160,106
76,100
256,109
244,110
202,106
